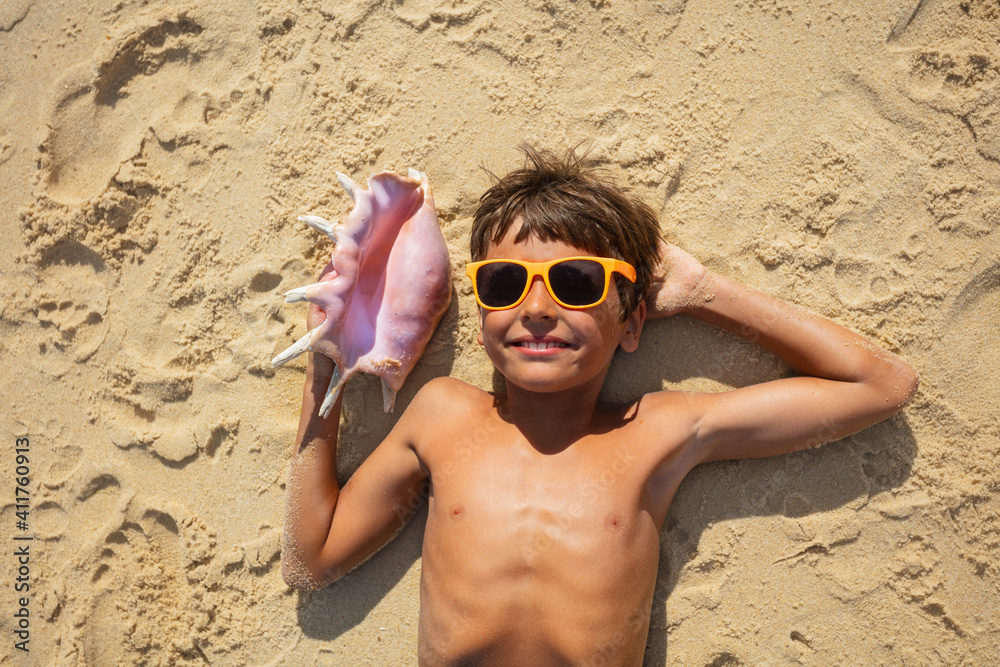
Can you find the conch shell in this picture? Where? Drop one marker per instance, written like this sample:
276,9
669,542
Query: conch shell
389,287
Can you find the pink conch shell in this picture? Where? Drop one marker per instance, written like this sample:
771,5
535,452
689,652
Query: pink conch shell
389,287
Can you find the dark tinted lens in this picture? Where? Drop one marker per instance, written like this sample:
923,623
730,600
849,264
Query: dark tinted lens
501,283
577,282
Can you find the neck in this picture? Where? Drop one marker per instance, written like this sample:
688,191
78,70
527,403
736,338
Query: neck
552,421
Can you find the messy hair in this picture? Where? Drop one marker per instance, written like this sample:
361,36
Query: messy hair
570,199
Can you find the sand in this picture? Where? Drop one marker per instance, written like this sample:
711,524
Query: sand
843,155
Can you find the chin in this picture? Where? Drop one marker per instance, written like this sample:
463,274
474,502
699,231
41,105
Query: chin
542,382
539,386
544,376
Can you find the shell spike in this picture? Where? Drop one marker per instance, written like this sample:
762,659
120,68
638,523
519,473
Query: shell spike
293,350
300,293
319,224
349,185
379,319
296,295
332,392
388,396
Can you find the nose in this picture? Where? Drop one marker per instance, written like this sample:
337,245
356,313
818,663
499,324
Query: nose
538,304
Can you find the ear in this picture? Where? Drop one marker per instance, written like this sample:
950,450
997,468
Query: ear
633,328
482,315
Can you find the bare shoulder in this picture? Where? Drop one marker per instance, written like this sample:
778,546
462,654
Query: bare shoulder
447,395
668,421
658,432
444,406
656,412
678,409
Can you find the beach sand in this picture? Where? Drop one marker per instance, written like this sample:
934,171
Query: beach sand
154,156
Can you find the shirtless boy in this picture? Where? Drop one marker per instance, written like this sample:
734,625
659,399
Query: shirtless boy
545,503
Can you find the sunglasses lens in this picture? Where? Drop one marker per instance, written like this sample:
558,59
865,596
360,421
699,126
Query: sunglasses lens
577,282
500,284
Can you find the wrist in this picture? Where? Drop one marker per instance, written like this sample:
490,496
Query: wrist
320,368
702,295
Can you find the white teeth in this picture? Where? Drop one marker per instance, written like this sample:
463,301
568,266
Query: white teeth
540,345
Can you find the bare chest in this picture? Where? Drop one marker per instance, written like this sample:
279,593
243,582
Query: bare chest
516,489
546,552
510,516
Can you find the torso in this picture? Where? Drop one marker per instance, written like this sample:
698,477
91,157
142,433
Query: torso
533,558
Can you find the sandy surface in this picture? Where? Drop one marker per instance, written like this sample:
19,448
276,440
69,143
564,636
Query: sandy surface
843,155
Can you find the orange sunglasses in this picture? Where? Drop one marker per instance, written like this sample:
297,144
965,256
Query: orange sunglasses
573,282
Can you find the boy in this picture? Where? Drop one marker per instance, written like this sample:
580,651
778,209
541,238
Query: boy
545,504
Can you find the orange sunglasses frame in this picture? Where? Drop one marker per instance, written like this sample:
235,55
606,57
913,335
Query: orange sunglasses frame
542,269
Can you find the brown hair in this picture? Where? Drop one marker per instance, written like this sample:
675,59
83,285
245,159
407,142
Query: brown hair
570,199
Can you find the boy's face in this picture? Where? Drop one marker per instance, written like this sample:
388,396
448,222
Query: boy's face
578,345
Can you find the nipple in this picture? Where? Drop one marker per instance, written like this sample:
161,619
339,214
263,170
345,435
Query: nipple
457,511
613,522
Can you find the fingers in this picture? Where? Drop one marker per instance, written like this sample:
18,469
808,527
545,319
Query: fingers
314,314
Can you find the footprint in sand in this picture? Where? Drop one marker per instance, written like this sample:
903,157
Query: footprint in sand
131,589
150,110
131,578
146,580
107,107
154,386
861,282
950,53
969,372
61,313
157,80
147,406
141,598
917,578
150,401
72,305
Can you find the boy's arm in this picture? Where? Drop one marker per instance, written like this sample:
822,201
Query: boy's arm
328,529
846,382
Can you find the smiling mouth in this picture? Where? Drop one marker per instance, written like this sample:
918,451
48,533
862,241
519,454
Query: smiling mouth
539,345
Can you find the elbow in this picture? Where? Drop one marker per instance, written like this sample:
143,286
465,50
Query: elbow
299,576
903,385
912,384
302,573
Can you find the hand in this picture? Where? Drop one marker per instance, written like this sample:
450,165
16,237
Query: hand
677,282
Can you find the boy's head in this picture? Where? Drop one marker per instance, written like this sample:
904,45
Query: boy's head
568,199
